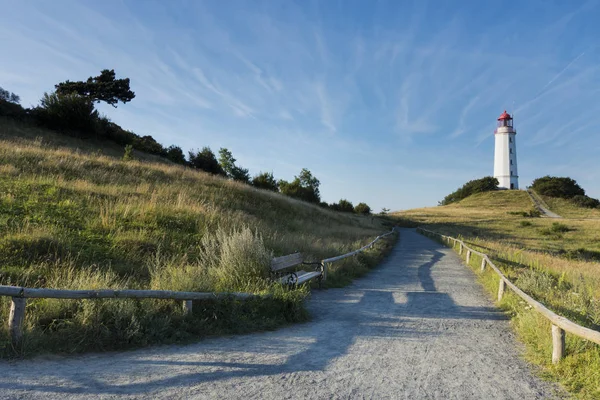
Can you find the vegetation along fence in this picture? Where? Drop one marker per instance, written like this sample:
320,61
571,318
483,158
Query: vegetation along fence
21,294
559,324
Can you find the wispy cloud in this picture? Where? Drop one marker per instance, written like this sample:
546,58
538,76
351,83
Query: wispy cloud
325,106
398,84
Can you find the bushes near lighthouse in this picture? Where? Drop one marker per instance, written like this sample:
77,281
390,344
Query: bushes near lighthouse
475,186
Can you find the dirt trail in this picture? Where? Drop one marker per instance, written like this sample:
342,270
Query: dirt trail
540,205
418,327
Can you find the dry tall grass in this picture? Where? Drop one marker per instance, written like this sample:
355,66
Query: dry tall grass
81,219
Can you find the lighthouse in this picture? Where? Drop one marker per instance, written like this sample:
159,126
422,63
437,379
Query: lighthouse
505,155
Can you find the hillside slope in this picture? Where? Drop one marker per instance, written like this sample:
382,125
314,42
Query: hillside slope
500,216
78,219
556,262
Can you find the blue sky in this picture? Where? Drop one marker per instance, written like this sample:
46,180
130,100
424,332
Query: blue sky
389,102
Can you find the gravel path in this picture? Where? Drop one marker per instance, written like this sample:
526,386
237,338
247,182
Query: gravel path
418,327
538,203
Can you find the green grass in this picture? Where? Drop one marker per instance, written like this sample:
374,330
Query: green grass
73,217
567,209
556,263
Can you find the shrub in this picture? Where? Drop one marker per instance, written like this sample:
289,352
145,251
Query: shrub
9,105
475,186
232,170
304,187
236,261
175,154
265,180
556,230
205,160
68,112
343,205
9,97
149,145
558,227
362,208
525,223
533,213
553,186
585,201
11,110
128,156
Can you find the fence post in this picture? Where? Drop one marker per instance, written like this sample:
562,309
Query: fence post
483,264
558,344
15,318
460,249
501,288
324,270
468,256
187,306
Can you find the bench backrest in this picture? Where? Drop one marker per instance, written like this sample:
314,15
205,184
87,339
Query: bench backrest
279,263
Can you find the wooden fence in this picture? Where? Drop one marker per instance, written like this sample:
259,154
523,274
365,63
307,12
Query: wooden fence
559,324
21,294
328,261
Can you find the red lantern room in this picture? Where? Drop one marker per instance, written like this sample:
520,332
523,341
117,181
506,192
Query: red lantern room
505,120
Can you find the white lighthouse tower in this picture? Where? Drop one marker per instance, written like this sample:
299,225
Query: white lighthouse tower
505,155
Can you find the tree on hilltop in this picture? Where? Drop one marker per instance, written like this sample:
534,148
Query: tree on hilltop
9,97
206,161
265,180
362,208
486,184
343,205
305,187
554,186
104,87
232,170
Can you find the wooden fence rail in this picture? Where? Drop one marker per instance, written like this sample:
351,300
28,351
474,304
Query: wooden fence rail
328,261
559,324
21,294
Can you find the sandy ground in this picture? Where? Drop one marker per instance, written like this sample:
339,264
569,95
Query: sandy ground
418,327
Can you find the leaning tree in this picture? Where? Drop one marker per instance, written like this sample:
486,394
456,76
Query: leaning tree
104,87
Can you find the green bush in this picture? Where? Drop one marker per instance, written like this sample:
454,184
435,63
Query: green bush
525,223
68,112
265,180
558,227
304,187
553,186
11,110
205,160
475,186
362,208
128,156
343,205
175,154
585,201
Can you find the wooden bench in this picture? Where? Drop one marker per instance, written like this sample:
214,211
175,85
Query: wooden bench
294,278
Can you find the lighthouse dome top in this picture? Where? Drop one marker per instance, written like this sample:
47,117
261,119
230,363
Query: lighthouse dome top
504,116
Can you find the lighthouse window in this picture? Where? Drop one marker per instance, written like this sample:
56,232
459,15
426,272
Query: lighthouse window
510,150
510,162
510,140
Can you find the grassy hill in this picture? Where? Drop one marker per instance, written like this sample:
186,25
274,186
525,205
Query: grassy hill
74,217
555,261
567,209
